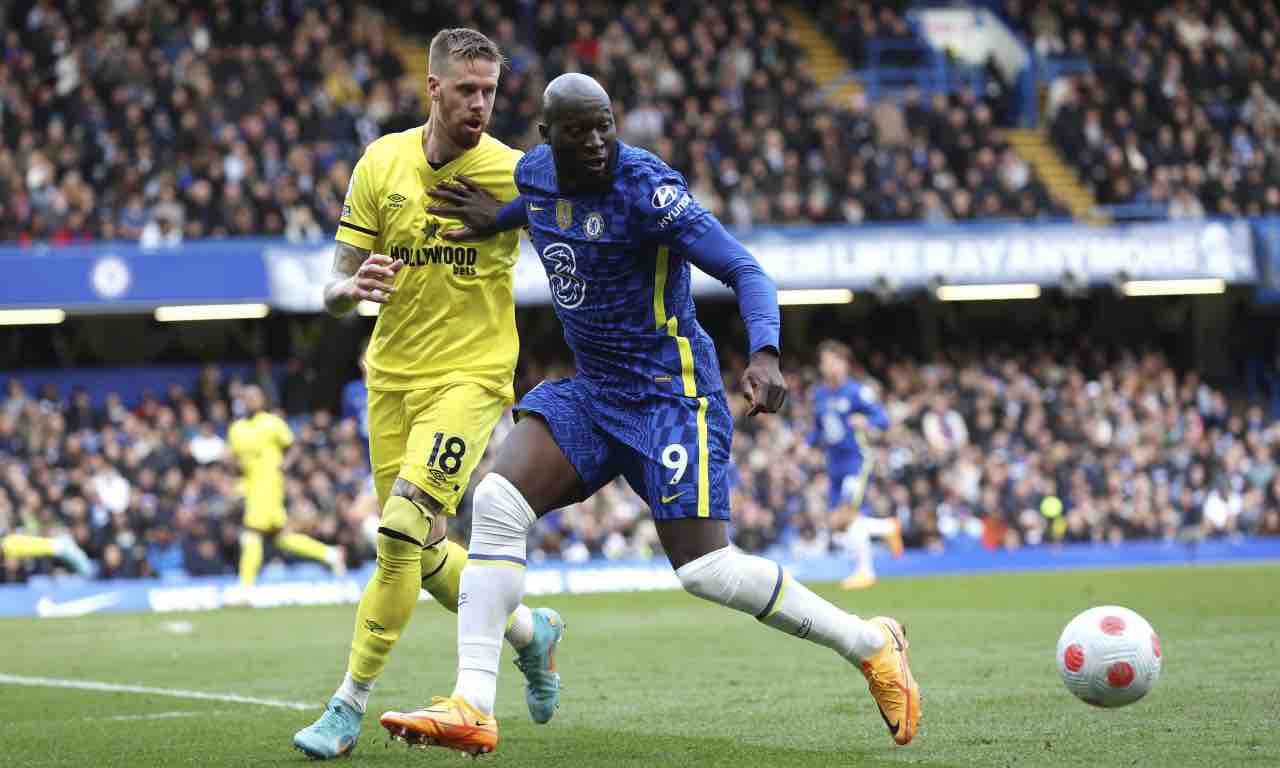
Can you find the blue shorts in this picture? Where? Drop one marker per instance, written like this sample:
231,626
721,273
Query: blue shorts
848,486
674,451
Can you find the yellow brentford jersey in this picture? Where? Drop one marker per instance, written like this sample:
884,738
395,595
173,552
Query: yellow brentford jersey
452,317
258,443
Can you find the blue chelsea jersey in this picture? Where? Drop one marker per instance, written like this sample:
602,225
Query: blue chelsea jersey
618,276
832,407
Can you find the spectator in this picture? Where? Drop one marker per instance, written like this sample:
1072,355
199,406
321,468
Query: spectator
1185,206
161,232
944,427
208,446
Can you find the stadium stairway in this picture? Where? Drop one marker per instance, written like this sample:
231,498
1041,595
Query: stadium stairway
1064,184
413,56
830,68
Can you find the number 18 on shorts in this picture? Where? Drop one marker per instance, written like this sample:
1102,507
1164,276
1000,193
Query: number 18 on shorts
432,438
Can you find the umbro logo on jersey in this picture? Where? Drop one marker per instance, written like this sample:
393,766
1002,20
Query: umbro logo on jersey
396,199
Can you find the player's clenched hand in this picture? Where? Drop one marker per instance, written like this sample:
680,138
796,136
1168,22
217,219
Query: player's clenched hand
469,203
763,384
374,279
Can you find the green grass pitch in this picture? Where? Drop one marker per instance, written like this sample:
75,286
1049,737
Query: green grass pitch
661,679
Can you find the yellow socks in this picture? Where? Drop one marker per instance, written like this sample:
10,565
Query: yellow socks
19,547
303,546
392,592
251,551
250,556
442,572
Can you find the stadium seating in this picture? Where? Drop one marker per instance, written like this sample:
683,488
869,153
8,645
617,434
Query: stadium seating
1069,446
248,121
1178,113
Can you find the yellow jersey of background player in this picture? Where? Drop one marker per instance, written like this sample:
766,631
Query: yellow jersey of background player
258,443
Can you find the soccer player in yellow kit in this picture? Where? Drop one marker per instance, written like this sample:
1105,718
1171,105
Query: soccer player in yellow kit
439,368
258,442
17,546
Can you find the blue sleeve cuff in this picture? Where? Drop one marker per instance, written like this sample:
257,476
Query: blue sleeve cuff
512,216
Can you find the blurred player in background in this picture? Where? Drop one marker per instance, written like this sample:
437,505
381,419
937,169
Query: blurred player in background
843,412
259,442
17,546
439,368
617,231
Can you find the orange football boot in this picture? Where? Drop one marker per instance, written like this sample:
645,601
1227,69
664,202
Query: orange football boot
891,684
858,580
449,722
894,538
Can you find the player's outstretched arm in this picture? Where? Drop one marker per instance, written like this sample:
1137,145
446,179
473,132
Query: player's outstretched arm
359,275
482,215
720,255
869,412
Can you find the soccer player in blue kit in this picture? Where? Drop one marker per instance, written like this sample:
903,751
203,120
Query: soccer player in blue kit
617,230
843,412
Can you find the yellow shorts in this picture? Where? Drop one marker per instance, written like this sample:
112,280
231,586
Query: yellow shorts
264,506
433,438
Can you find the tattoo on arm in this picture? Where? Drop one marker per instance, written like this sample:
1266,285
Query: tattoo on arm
346,260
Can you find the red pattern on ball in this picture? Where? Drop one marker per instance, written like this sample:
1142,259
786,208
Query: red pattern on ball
1155,644
1120,674
1073,657
1112,625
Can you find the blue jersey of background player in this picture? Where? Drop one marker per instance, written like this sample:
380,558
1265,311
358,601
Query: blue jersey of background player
843,409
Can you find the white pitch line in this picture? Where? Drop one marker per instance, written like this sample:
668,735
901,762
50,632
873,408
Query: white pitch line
160,715
177,693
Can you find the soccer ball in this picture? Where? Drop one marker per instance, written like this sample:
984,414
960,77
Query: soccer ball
1109,656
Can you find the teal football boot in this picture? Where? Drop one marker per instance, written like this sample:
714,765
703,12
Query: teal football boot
333,735
71,553
537,661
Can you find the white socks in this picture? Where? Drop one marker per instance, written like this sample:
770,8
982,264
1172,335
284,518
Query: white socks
492,586
520,627
500,523
858,538
354,692
761,588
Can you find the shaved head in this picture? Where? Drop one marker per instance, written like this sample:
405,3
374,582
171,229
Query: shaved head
572,92
577,121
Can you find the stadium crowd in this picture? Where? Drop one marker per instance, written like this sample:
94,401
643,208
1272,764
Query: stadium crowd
1180,108
158,120
992,449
